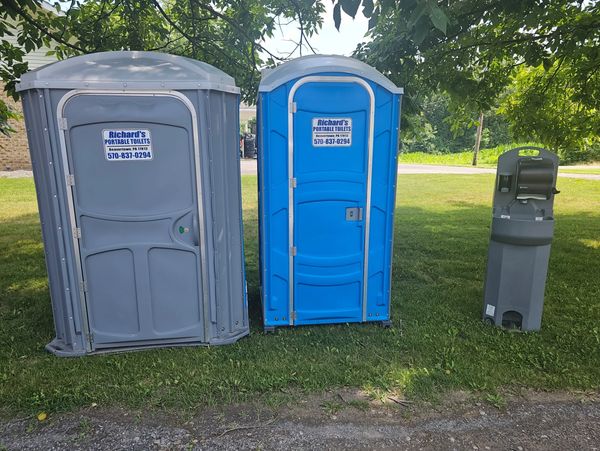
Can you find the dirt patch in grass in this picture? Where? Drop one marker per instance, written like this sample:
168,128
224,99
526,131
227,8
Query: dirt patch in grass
333,420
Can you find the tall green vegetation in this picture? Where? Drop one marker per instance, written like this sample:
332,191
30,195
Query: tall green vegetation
437,128
548,106
476,52
531,67
225,33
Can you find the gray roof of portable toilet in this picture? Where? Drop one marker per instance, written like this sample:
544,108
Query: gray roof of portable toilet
128,70
312,64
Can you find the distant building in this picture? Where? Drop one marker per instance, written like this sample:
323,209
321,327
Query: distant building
247,114
14,153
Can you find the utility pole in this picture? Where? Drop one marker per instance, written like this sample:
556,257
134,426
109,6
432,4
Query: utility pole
478,139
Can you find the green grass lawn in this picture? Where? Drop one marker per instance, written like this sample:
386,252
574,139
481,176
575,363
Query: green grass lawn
488,158
438,342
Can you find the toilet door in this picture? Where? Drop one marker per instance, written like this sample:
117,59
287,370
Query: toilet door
132,162
332,143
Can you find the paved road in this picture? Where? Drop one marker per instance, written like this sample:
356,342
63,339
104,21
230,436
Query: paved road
249,168
441,169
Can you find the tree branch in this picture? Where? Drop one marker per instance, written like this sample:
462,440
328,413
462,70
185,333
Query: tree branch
13,5
254,44
303,36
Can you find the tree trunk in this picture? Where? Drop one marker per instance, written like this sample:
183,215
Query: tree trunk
478,139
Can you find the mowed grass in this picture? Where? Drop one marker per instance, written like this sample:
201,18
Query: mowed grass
486,157
438,342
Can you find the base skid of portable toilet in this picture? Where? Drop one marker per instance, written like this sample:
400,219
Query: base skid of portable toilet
136,165
328,140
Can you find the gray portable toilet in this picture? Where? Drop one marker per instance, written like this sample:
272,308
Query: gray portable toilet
521,235
136,166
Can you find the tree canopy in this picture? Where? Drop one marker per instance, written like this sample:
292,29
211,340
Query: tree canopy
226,34
536,63
542,52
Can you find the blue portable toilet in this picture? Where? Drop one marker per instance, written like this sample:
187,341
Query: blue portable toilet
327,141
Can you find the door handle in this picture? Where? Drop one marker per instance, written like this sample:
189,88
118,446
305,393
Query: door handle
195,231
354,214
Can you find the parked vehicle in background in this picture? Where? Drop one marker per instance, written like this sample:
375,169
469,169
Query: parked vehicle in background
250,150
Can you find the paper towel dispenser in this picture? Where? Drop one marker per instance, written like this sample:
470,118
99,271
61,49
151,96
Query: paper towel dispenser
535,178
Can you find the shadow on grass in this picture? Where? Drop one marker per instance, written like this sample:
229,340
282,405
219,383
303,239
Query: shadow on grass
437,295
437,343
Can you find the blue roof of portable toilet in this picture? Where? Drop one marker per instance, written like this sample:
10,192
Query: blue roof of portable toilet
128,70
314,64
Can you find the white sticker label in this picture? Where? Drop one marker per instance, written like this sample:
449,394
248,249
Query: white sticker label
127,145
490,310
332,131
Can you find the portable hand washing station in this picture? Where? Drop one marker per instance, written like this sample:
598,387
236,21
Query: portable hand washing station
521,235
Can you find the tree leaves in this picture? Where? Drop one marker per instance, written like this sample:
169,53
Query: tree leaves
490,43
5,114
545,104
426,12
438,17
350,7
337,16
368,8
228,34
417,14
547,63
420,31
374,19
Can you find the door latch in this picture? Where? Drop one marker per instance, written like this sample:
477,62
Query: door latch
354,214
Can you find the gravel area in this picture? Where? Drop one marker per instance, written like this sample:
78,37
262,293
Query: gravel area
340,420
